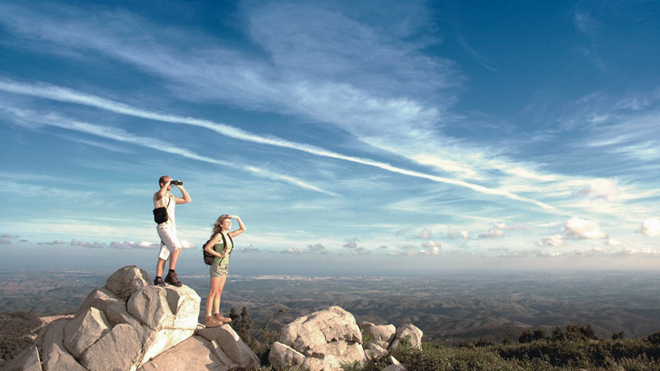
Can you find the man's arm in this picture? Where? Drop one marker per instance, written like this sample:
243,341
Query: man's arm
163,190
186,197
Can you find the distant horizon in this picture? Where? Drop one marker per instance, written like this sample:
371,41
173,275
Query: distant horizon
246,264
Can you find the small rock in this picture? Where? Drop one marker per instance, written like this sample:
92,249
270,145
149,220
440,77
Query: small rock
410,331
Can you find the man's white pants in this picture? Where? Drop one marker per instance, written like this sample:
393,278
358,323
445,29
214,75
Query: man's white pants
169,241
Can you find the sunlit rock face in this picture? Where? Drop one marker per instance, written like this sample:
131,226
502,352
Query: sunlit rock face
129,324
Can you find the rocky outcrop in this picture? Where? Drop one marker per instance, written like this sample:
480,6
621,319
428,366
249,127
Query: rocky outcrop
228,345
129,324
409,332
327,339
378,339
320,341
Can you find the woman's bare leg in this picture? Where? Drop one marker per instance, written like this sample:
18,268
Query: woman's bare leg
220,285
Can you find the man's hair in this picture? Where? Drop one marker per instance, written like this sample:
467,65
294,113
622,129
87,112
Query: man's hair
162,180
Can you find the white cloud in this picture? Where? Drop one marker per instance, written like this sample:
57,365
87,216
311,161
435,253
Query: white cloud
554,241
425,235
249,249
607,189
123,244
510,227
433,251
493,233
549,254
650,227
580,228
431,244
293,251
415,234
614,242
76,242
454,234
185,244
632,251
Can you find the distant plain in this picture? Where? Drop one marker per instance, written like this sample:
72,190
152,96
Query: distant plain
448,309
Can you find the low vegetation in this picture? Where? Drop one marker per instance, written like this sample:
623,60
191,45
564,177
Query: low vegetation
565,349
569,348
15,331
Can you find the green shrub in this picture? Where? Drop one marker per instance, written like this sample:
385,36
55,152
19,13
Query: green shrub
14,329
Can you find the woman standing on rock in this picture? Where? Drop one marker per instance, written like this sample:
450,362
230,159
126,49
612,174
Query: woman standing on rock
220,246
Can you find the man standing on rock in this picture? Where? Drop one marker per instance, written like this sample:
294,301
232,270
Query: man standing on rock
170,246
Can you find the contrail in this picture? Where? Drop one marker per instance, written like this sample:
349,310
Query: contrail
71,96
156,144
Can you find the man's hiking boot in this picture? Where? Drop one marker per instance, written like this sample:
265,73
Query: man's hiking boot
210,321
173,280
159,281
222,319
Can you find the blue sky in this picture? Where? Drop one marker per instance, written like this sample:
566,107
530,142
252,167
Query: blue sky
379,136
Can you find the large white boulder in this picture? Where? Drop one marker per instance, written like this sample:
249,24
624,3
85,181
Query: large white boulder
377,339
99,298
116,314
195,353
231,344
344,351
282,356
117,350
165,308
169,316
84,330
378,332
126,281
52,352
410,332
321,362
324,338
375,350
320,328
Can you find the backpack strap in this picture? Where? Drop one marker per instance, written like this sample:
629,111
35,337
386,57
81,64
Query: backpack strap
224,241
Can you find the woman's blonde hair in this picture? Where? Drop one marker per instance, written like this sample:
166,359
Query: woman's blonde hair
217,227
